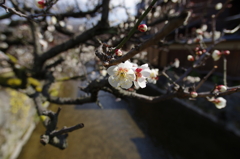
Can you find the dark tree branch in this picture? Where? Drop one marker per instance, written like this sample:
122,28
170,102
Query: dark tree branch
74,41
105,12
57,138
6,16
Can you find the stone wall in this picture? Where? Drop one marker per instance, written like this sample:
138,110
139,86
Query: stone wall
17,115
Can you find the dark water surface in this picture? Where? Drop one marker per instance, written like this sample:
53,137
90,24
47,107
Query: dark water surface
109,133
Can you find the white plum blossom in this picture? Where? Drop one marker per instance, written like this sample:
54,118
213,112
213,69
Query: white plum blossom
121,75
221,88
216,55
194,94
199,31
190,58
153,76
103,72
142,73
220,102
53,20
218,6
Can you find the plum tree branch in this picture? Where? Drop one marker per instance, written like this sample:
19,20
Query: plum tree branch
172,24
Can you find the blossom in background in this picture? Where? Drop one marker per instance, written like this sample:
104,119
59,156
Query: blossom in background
141,73
221,88
190,58
199,31
142,28
194,94
153,76
40,3
118,52
220,102
121,75
103,72
216,55
218,6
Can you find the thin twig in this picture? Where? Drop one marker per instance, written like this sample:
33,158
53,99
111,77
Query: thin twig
205,78
224,70
136,25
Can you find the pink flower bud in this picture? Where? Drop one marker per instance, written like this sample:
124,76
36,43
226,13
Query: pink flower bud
190,58
219,102
142,28
194,94
221,88
197,49
216,55
118,52
40,3
199,53
226,52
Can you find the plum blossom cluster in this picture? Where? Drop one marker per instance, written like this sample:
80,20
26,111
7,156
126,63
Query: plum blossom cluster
216,54
198,52
127,74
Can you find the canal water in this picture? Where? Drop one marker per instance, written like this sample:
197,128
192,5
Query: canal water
110,132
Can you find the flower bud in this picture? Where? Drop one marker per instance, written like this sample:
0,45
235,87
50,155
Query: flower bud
199,53
220,102
216,55
226,52
118,52
190,58
197,49
221,88
142,28
194,94
218,6
40,3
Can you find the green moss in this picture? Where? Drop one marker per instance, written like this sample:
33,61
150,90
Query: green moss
12,58
33,82
14,82
7,74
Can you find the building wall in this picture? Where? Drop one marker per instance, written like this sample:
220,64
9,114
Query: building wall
167,55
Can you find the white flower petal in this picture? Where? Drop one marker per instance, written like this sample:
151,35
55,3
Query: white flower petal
112,70
146,73
142,84
127,64
131,75
141,79
222,103
126,84
113,82
136,84
145,66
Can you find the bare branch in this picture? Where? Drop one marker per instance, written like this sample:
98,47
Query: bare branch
173,24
